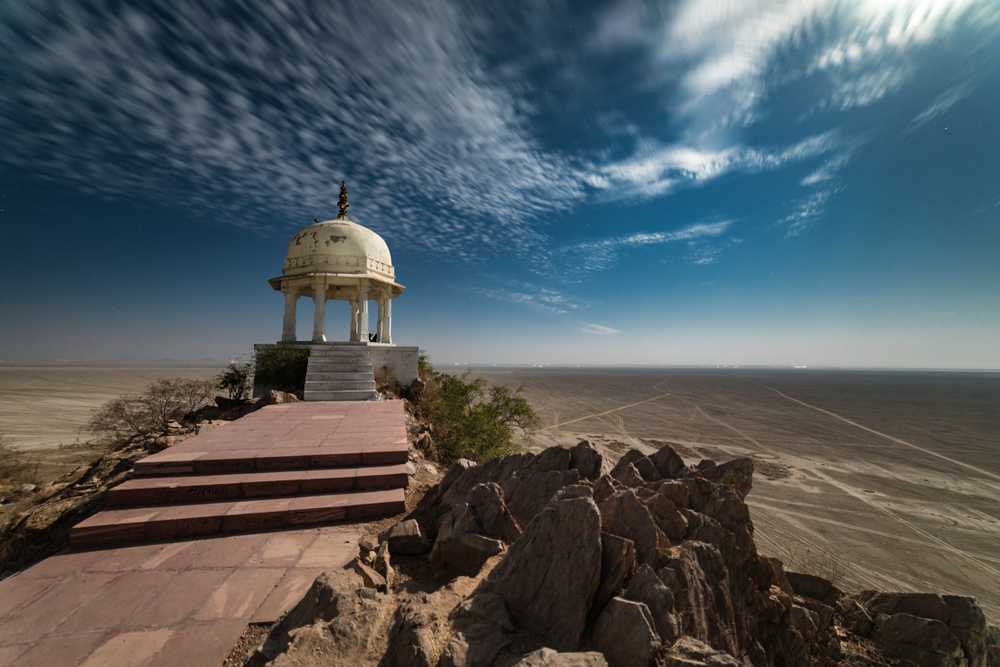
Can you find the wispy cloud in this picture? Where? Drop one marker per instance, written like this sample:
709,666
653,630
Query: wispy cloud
656,170
253,115
599,330
545,299
940,105
808,210
602,254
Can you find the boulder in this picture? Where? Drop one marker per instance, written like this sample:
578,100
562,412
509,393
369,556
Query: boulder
549,577
689,652
736,474
697,574
642,464
646,587
667,462
605,487
458,548
918,641
414,637
617,564
667,517
546,657
624,632
587,460
482,628
624,515
383,565
960,615
406,539
628,475
492,516
369,577
675,490
811,586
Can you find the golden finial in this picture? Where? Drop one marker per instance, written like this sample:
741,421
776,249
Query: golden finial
342,202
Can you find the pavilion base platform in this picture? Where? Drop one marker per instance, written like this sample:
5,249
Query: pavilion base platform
284,466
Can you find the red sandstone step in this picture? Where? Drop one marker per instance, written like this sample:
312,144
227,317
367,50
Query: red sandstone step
161,523
143,491
382,452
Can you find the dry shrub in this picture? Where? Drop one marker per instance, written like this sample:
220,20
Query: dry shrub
151,411
816,560
16,466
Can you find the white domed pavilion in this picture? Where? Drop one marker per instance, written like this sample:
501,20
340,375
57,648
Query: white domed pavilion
339,259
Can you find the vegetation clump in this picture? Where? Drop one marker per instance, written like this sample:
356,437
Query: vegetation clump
236,380
282,369
468,419
151,412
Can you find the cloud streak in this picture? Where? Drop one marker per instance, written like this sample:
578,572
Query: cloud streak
602,254
599,330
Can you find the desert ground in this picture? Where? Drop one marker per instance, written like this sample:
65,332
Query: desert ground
886,480
43,407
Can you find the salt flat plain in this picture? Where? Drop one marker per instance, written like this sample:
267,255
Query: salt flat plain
887,480
47,406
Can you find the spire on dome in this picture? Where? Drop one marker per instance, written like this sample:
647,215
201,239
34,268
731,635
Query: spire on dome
342,202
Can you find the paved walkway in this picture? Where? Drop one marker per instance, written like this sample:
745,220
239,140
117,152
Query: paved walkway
186,601
180,604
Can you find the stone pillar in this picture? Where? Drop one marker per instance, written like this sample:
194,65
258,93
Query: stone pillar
354,319
380,327
385,335
363,314
319,313
288,325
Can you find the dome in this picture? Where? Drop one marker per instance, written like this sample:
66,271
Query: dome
338,246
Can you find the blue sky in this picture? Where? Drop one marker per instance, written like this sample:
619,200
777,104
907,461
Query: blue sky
698,182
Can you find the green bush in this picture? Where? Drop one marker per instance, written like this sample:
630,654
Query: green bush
281,368
469,420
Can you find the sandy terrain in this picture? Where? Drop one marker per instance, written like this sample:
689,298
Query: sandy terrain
882,480
48,406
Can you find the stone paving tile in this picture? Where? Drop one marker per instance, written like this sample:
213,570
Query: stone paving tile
122,559
289,591
9,654
61,650
330,550
41,616
224,552
184,594
283,549
240,594
176,555
19,590
129,648
61,564
199,644
115,603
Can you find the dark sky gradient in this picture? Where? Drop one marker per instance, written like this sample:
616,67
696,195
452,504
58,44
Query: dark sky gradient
812,182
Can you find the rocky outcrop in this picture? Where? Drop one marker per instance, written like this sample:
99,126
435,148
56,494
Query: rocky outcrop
565,561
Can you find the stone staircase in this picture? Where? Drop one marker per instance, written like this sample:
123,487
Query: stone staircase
284,466
340,373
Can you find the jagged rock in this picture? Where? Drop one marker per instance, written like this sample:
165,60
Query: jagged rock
667,517
414,637
771,572
406,538
617,564
811,586
587,460
627,474
369,577
624,632
918,641
623,514
605,487
736,474
993,646
675,490
645,468
959,615
383,565
458,548
492,516
546,657
646,587
699,579
689,652
667,462
549,577
482,629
